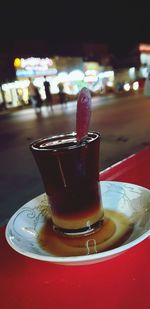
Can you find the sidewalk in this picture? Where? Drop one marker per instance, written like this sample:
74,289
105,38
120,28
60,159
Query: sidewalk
71,105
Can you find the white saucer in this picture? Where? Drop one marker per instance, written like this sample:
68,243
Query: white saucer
129,199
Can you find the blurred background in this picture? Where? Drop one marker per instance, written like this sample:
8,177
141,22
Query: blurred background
104,47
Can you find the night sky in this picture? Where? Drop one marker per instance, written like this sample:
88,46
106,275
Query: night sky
121,25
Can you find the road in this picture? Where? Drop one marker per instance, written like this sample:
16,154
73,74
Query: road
124,123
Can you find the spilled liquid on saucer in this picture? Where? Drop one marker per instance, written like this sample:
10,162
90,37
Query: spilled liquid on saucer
114,231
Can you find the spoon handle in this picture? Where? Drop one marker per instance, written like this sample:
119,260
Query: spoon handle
83,114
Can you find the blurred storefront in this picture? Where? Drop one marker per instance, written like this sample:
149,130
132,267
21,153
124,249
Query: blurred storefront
144,50
72,72
95,68
132,75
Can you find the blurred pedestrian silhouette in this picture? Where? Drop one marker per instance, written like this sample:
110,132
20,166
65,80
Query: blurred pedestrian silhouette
62,95
49,99
3,103
34,97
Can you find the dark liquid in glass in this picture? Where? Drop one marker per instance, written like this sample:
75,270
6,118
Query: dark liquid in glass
70,172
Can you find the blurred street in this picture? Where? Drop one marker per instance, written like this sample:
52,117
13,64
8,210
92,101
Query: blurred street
124,123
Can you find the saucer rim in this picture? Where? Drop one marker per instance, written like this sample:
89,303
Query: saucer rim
85,259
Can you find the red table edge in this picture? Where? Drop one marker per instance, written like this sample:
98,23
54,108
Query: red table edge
137,159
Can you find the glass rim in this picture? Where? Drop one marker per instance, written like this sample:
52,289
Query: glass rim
59,148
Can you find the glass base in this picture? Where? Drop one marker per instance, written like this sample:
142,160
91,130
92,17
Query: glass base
79,232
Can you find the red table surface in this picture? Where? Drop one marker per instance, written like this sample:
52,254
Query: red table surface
122,282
